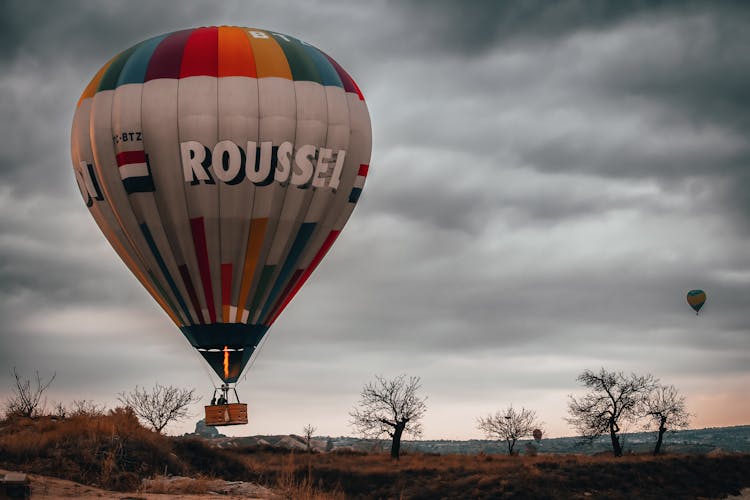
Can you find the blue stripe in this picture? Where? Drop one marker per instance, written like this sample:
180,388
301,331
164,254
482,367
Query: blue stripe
160,261
143,184
134,70
138,185
303,236
354,195
161,290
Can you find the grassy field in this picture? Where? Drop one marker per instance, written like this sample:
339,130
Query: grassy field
115,452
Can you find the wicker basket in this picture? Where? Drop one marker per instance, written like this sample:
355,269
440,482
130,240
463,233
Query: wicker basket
229,414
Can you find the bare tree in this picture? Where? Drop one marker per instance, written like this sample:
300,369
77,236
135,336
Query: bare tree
665,409
613,399
308,431
391,407
160,405
509,425
27,399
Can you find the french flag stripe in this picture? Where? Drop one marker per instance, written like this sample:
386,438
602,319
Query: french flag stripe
133,170
128,157
359,183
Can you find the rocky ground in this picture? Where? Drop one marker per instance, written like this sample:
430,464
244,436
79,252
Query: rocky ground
172,488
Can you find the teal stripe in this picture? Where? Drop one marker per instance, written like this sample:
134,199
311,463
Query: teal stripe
302,65
134,70
163,267
265,278
303,236
109,80
328,74
162,292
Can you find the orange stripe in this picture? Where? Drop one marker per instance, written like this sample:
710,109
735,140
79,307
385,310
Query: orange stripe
696,299
252,254
235,53
226,290
269,56
90,89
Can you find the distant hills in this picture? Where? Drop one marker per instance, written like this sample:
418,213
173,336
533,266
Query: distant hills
718,439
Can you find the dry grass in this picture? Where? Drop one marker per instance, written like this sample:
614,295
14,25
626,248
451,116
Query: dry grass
289,481
426,476
114,451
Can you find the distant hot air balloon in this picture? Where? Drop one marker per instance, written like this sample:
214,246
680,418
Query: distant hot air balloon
696,299
221,163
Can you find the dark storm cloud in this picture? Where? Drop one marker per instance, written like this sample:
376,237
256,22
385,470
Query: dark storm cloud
82,31
630,91
473,28
548,180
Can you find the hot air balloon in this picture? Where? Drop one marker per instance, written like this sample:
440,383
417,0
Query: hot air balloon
696,299
221,164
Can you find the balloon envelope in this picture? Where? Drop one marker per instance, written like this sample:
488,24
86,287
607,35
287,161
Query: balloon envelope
221,163
696,299
537,434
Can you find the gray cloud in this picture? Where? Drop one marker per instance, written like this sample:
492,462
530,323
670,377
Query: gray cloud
547,182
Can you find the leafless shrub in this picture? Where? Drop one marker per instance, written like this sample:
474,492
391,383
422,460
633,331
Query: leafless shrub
509,425
160,405
27,400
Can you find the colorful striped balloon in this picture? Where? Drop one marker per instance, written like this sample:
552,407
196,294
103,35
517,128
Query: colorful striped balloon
221,163
696,299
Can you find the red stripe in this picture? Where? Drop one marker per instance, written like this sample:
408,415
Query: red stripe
226,284
349,84
128,157
201,251
166,59
306,274
363,168
201,56
191,292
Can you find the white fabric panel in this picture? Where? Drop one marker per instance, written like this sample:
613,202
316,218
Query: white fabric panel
159,122
107,169
311,128
101,211
238,122
197,109
337,138
126,121
277,124
360,147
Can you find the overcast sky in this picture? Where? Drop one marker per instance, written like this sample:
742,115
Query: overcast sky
548,180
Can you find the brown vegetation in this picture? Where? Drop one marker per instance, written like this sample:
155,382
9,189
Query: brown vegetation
115,451
426,476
